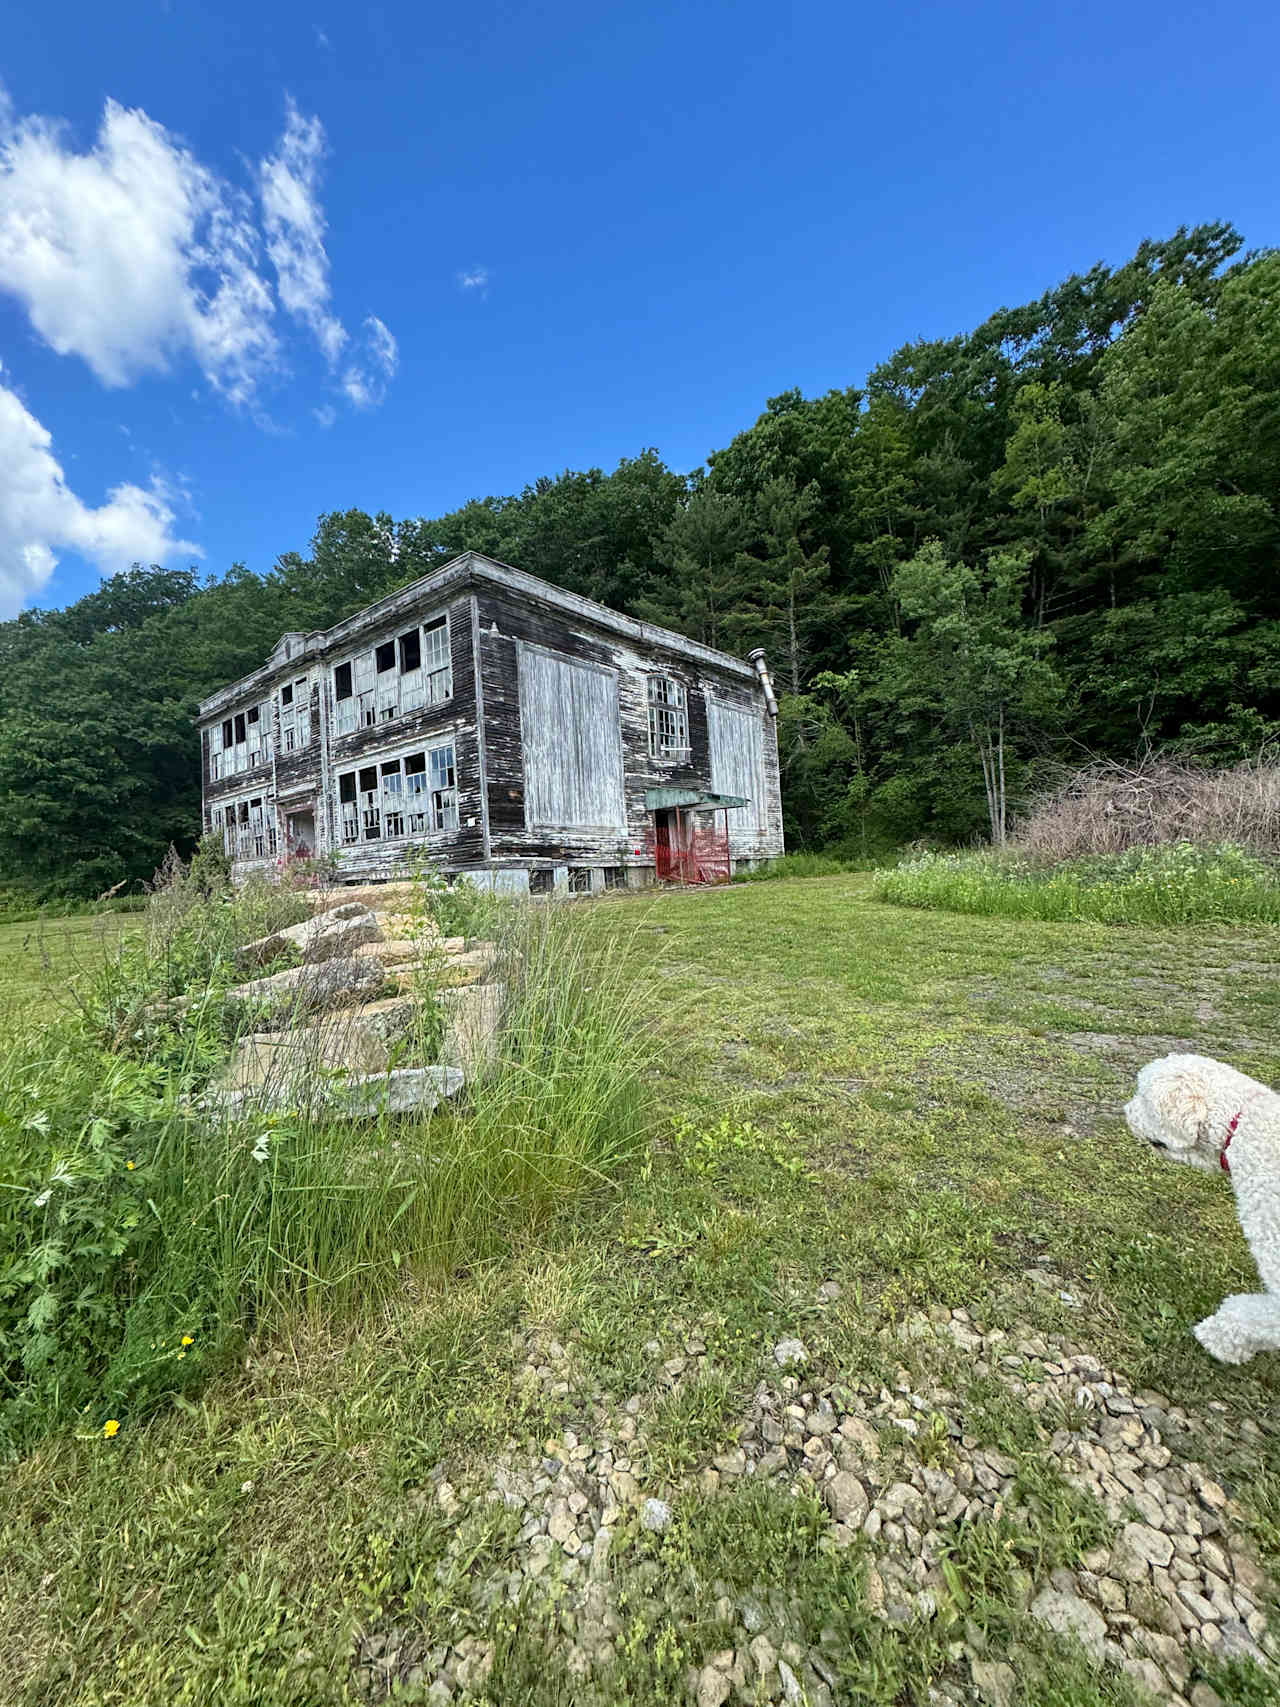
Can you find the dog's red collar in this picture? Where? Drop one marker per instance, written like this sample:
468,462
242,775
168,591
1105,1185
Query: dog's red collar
1231,1132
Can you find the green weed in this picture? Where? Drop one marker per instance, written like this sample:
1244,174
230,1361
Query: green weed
1179,884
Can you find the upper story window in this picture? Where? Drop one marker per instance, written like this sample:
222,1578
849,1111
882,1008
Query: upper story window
295,714
410,796
404,674
668,718
240,741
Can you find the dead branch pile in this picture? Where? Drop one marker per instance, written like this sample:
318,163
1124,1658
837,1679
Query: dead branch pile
1108,807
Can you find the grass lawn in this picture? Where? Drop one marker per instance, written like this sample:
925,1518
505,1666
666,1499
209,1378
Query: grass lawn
39,956
871,1118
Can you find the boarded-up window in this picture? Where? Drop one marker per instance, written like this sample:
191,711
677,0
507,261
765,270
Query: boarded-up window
572,740
737,762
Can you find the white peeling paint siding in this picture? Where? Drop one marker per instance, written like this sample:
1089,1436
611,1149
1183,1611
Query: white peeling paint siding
572,738
736,739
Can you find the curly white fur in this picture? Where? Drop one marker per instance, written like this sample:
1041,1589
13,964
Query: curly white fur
1184,1107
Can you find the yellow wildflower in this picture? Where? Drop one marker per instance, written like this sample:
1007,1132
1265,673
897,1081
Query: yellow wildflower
131,1166
111,1428
187,1340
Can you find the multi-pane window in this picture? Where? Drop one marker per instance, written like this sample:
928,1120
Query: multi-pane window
295,715
668,718
240,741
410,796
247,828
403,674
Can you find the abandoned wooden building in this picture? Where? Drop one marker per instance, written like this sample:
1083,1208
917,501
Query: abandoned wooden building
485,722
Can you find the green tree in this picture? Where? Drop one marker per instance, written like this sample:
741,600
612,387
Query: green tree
697,587
972,658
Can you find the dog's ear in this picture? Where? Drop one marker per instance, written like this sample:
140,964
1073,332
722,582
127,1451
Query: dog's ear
1178,1101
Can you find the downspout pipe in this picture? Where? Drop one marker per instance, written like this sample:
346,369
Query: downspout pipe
766,680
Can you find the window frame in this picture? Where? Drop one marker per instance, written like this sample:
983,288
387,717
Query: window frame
667,699
401,797
249,825
381,682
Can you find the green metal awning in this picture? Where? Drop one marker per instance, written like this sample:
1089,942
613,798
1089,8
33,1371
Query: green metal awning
658,799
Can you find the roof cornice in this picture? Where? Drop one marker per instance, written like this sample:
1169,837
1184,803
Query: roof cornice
471,568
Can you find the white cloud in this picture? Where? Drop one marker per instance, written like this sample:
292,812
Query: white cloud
326,414
40,514
475,278
133,254
365,380
289,183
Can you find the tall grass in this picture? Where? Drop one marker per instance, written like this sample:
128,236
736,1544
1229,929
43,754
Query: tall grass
1175,885
802,865
142,1239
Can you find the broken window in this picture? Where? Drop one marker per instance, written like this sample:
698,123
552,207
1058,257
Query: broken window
392,799
295,714
438,665
366,704
349,808
248,828
542,882
411,796
395,676
443,789
370,806
668,718
241,741
614,877
579,880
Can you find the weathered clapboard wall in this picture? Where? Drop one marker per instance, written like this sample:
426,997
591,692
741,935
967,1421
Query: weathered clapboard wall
549,720
454,719
516,625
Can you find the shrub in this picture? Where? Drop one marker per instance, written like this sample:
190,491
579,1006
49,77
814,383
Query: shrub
1180,884
455,907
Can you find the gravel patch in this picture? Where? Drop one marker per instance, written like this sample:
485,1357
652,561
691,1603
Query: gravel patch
900,1474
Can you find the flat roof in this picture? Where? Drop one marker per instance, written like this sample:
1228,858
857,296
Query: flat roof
470,568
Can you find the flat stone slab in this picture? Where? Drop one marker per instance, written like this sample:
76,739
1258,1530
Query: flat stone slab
276,1063
394,953
406,1090
308,989
325,937
470,966
473,1021
354,1040
362,1096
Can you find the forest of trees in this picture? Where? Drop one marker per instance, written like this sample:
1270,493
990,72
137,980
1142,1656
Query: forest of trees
1052,537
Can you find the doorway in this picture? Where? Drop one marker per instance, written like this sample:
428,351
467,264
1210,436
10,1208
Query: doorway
300,833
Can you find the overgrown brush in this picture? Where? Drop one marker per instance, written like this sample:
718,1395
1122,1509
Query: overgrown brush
142,1239
1180,884
1108,808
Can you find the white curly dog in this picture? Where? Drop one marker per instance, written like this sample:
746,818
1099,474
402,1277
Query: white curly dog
1203,1112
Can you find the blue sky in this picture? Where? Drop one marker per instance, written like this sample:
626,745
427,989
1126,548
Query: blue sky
262,261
